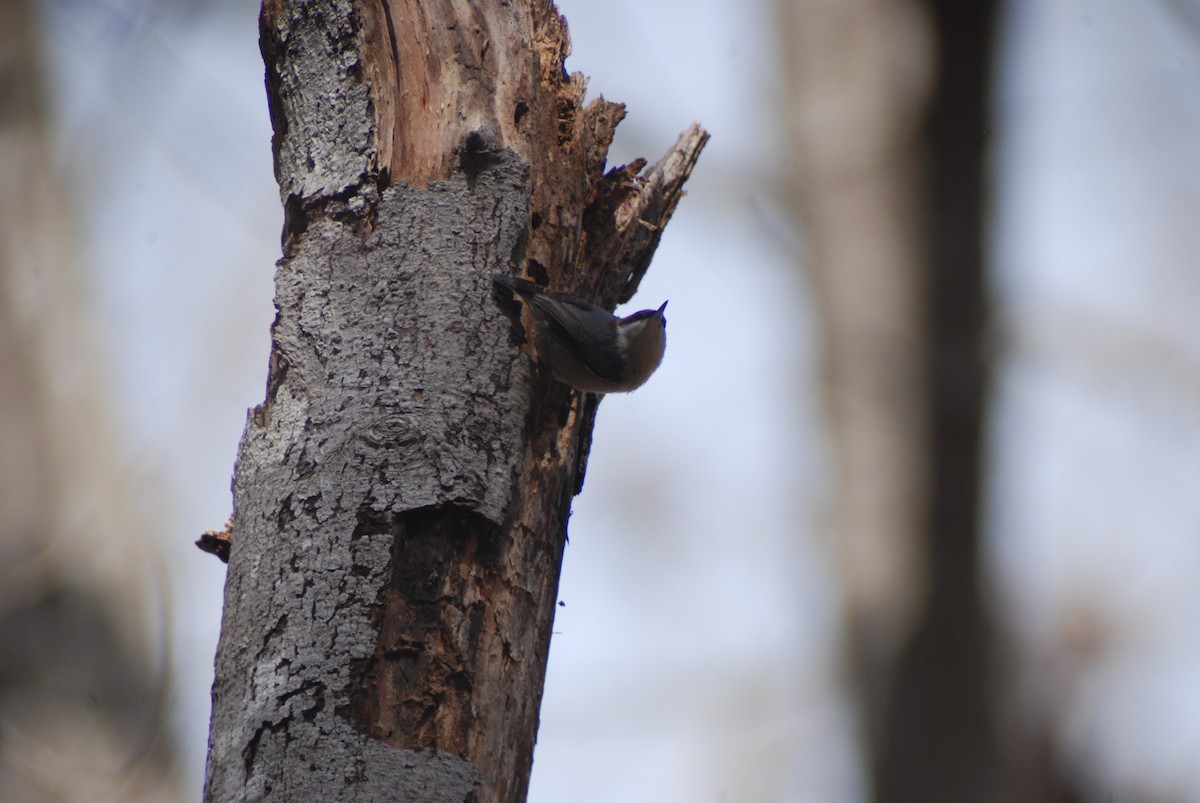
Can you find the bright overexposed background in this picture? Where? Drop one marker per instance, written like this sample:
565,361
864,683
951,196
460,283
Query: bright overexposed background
695,656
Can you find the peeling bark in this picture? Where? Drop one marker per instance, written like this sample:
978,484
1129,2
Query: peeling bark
401,496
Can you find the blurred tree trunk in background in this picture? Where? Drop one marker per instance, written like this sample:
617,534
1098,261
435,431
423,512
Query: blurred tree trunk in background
939,739
889,113
82,689
401,496
858,76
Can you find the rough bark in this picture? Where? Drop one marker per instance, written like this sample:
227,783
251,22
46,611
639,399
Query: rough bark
401,496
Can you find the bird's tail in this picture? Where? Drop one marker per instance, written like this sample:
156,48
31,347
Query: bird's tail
522,286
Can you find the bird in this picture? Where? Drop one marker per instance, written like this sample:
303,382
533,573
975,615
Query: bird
587,347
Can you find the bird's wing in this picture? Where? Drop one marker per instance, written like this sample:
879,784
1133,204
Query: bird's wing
586,330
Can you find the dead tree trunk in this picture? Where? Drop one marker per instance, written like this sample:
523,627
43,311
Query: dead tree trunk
401,496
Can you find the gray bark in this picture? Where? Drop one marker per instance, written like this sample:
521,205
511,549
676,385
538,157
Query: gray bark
400,498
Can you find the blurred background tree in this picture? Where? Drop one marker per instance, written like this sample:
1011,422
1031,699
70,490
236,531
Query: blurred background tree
83,664
726,634
889,113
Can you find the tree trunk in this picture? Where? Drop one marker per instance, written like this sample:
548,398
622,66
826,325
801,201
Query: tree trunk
83,697
941,738
401,496
856,89
893,191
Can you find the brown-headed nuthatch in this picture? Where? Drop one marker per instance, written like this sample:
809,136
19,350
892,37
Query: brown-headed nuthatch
588,348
